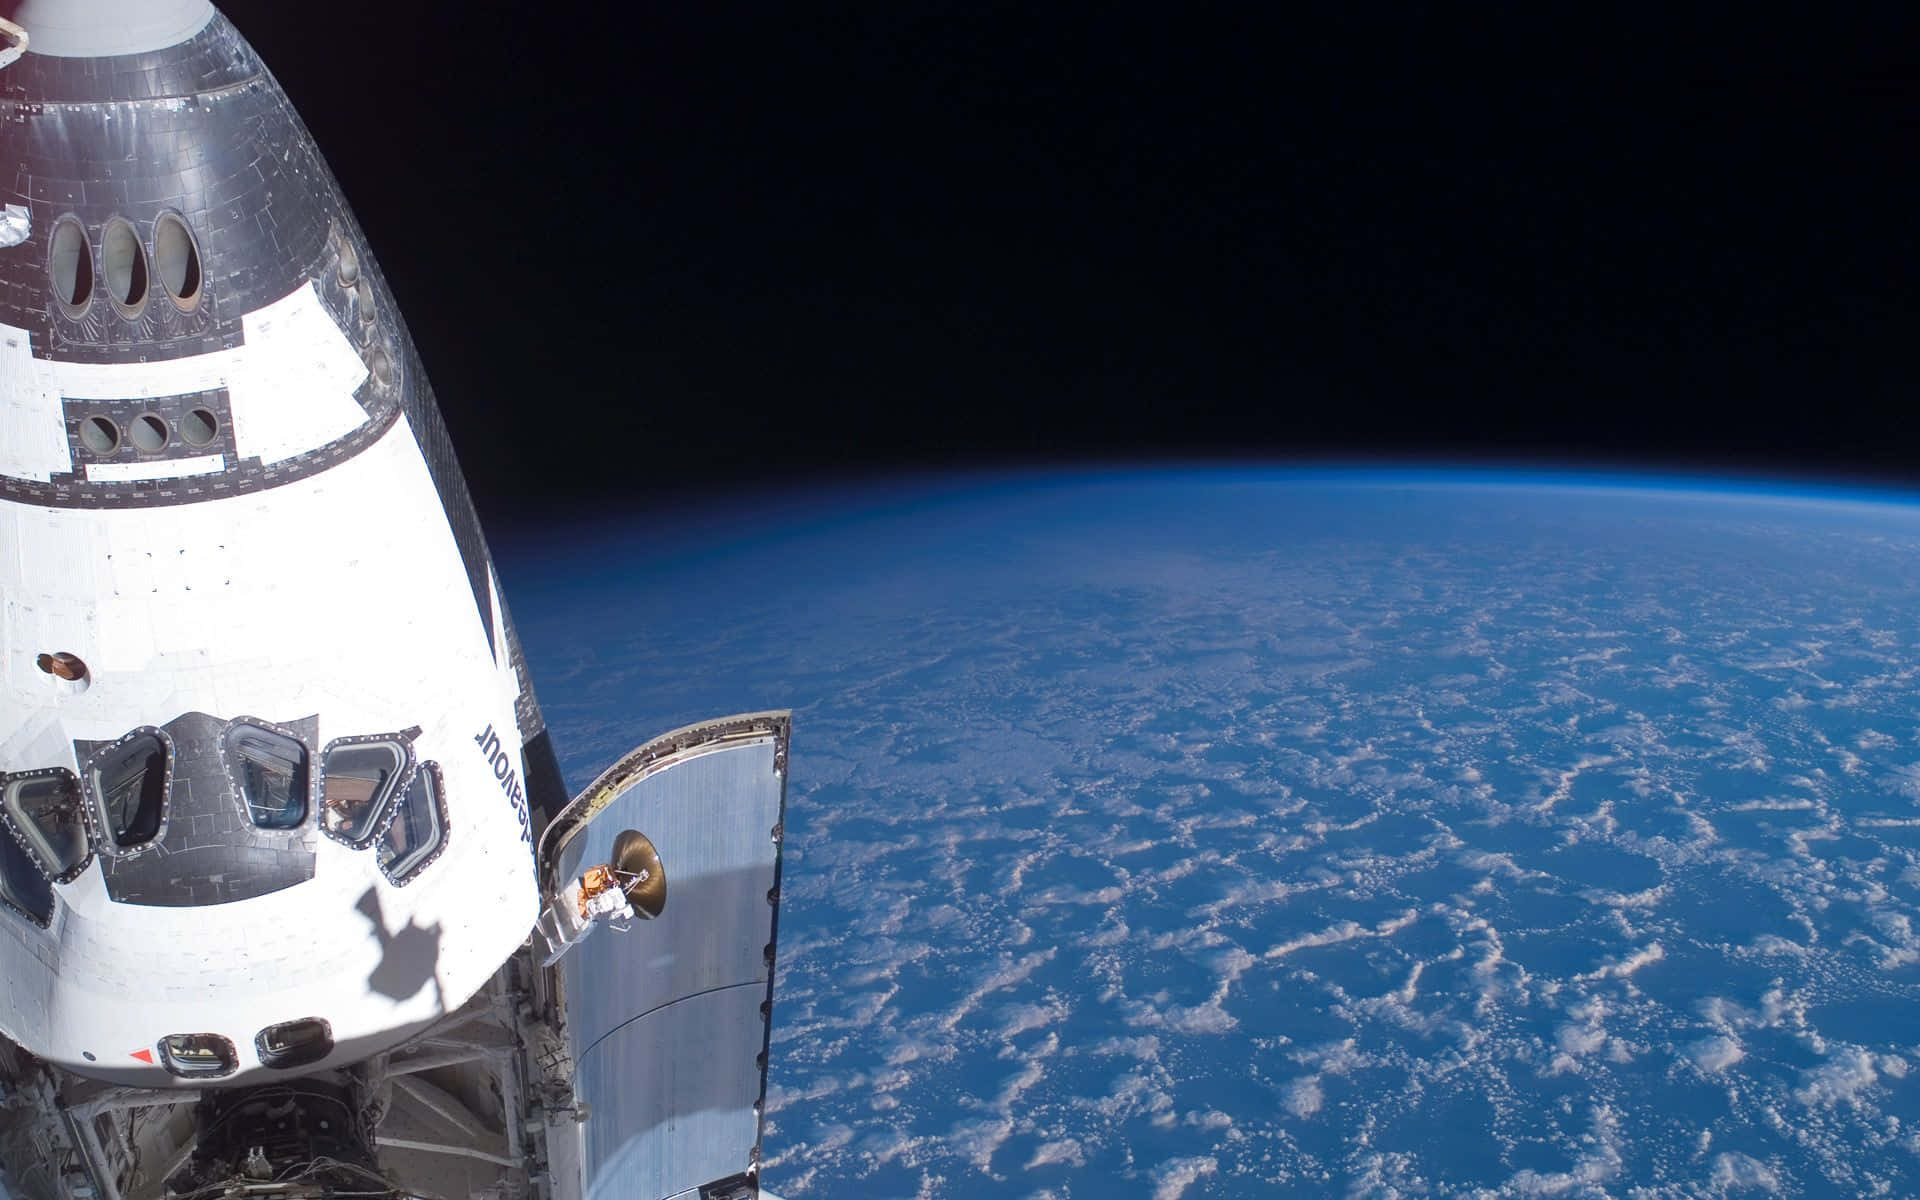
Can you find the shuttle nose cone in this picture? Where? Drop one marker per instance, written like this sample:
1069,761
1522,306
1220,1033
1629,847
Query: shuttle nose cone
100,28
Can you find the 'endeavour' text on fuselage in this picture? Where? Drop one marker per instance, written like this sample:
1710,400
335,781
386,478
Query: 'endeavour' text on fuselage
502,764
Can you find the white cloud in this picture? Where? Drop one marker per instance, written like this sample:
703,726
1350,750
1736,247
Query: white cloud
1597,1164
1715,1054
1146,1047
1740,1172
1304,1097
976,1141
1212,1118
1622,967
1066,1151
1016,1019
1177,1175
1847,1078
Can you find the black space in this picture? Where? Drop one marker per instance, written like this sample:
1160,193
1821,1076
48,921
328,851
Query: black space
652,251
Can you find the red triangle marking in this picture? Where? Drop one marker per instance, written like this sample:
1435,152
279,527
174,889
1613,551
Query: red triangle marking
145,1056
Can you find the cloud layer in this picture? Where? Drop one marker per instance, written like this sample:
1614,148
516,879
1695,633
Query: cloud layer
1188,839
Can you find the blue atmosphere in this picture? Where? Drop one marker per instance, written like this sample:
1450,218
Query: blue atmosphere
1190,834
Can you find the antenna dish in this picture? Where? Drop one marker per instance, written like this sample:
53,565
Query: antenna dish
637,865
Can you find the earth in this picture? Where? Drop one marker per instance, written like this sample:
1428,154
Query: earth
1196,834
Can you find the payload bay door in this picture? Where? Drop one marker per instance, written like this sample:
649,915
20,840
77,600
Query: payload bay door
668,1018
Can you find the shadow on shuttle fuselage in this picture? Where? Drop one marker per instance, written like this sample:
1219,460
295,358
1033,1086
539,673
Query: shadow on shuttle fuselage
407,958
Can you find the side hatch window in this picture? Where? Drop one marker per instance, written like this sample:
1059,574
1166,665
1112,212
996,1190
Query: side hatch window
129,783
358,779
418,831
294,1043
22,884
198,1055
270,769
44,807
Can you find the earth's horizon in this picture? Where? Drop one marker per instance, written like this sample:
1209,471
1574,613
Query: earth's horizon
1383,833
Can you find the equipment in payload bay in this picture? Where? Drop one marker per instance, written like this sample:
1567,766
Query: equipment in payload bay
284,845
632,884
643,876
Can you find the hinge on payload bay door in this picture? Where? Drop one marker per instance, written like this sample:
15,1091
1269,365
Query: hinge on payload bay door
733,1187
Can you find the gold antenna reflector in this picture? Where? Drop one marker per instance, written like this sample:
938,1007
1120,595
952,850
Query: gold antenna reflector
637,866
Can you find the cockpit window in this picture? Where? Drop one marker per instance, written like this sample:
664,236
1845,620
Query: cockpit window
198,1055
294,1043
44,807
270,770
418,831
358,777
129,782
22,884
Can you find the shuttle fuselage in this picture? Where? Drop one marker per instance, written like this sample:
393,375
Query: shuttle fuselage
278,809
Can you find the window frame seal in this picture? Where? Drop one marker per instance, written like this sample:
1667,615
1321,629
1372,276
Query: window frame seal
96,808
141,266
6,891
28,841
67,308
326,1033
181,304
439,785
309,815
232,1056
377,823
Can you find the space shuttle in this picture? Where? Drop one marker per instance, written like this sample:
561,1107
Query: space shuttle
293,899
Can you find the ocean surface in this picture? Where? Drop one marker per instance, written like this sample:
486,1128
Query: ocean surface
1192,834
